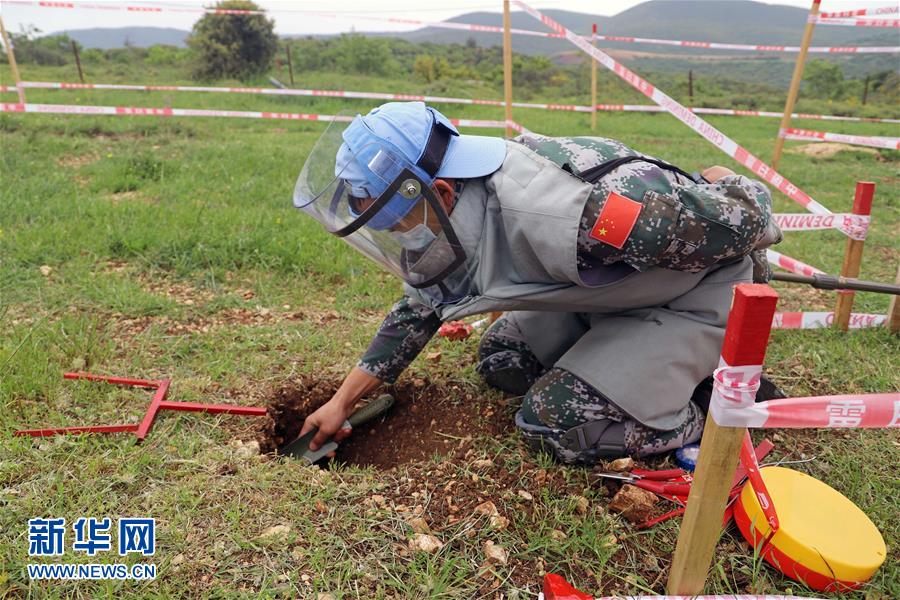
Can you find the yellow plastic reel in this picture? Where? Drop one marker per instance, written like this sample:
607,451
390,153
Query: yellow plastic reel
824,539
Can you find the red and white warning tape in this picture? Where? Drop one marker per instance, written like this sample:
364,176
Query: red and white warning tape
819,320
791,264
716,137
891,143
203,112
424,98
733,404
861,12
855,22
461,26
854,226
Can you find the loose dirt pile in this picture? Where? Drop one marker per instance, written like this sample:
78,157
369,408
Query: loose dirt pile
829,149
425,420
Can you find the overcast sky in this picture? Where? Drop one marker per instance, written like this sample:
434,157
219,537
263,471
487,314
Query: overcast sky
355,12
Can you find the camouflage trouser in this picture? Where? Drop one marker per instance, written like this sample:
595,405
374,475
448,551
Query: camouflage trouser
563,414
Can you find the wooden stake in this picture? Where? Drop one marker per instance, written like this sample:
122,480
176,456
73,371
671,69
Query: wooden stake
691,86
893,321
862,205
507,67
795,82
10,55
594,81
77,60
290,63
746,338
865,91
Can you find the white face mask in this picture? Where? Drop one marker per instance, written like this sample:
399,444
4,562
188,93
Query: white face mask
417,238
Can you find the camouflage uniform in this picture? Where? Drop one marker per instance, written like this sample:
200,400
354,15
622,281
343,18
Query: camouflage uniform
683,225
555,401
402,335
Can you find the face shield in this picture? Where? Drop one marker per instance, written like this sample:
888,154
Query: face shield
382,205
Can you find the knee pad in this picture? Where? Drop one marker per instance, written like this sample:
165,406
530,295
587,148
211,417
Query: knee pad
587,443
509,371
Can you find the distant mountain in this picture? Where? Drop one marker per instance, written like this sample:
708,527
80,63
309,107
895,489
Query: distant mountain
735,21
141,37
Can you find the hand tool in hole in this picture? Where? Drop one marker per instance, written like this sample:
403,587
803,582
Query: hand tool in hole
823,281
299,448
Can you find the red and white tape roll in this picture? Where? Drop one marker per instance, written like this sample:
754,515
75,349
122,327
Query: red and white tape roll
791,133
861,12
854,226
791,264
203,112
713,135
461,26
733,404
820,320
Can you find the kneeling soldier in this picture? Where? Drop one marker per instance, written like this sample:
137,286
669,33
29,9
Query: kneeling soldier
616,270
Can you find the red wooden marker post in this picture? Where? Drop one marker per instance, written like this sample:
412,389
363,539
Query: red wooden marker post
862,205
746,338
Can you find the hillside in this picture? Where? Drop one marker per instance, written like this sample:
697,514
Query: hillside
139,37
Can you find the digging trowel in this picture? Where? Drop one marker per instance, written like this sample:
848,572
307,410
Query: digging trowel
299,448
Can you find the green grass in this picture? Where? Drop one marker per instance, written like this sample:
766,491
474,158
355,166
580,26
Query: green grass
155,229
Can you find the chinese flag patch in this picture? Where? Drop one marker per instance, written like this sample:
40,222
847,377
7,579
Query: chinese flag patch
616,220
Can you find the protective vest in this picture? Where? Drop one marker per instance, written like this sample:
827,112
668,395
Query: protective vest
520,227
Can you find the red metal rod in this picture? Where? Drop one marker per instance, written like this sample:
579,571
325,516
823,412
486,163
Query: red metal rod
150,415
78,429
213,408
145,383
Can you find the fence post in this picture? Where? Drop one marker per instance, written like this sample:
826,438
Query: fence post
893,321
746,338
795,83
594,80
77,60
10,55
865,91
507,67
691,86
862,205
290,63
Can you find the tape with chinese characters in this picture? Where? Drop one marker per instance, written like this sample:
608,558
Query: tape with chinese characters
733,404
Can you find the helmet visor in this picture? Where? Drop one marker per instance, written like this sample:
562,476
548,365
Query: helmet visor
404,228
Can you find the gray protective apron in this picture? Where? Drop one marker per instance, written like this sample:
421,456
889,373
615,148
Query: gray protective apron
645,340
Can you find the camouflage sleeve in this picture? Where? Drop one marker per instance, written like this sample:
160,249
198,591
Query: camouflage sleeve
759,192
402,335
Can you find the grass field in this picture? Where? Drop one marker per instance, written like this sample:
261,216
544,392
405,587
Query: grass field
149,247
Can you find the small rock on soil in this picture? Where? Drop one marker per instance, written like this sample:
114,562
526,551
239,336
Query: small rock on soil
634,503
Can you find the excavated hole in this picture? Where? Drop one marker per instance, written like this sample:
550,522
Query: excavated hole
426,420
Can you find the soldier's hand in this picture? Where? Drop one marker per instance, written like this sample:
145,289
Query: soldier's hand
716,172
329,419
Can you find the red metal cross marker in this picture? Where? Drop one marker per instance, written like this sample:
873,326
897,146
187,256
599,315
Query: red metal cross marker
157,403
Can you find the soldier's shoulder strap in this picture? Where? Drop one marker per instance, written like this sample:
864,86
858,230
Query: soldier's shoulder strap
592,158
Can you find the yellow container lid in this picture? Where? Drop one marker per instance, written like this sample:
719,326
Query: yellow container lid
819,527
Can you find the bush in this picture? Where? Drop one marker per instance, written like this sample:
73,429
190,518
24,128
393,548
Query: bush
233,46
